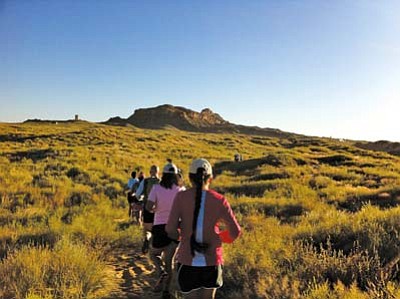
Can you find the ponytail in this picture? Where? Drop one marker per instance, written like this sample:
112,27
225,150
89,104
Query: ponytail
198,179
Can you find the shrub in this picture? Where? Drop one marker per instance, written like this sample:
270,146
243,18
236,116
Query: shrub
40,181
329,265
336,160
252,190
269,176
111,192
39,238
69,271
286,288
78,198
78,176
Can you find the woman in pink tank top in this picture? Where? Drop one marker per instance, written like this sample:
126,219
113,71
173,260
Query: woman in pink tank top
163,249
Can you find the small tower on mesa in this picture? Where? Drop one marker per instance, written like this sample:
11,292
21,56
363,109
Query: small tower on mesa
76,117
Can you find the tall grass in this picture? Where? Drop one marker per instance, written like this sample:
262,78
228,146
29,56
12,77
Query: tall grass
67,271
319,217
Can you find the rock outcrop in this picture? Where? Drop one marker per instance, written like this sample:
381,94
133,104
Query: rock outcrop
178,117
188,120
381,146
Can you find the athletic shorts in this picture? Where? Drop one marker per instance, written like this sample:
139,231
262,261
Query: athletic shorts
137,206
192,278
147,216
160,236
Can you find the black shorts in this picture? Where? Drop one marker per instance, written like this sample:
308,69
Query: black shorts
147,216
192,278
160,236
136,206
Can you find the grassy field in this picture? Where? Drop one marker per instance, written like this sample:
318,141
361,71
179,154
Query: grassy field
321,218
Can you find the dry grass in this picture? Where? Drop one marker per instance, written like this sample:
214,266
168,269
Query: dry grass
320,217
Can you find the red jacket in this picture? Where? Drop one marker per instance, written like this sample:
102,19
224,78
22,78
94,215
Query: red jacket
216,210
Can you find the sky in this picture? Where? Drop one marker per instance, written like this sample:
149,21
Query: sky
321,68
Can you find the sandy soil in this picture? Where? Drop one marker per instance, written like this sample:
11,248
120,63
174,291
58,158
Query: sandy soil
133,274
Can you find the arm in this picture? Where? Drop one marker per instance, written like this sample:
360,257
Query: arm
152,200
140,189
150,206
173,221
128,187
227,216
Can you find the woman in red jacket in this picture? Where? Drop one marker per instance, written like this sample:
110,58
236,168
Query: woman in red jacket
198,212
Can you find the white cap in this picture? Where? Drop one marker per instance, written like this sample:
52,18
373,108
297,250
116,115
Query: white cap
170,168
200,163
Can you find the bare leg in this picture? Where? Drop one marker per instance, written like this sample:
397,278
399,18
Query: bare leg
147,227
137,213
130,211
139,217
163,261
169,254
201,294
156,256
209,293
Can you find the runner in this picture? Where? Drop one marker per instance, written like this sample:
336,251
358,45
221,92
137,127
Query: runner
130,192
163,248
137,206
198,212
148,217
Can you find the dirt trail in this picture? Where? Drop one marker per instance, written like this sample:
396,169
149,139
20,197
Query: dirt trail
133,274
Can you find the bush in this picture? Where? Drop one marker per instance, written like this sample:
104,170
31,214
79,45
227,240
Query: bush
78,198
332,266
78,176
69,271
111,192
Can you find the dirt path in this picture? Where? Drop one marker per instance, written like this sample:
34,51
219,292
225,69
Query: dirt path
133,274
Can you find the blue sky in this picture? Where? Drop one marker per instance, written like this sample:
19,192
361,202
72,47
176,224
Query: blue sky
325,68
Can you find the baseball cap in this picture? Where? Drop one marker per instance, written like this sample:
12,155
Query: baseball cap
200,163
170,168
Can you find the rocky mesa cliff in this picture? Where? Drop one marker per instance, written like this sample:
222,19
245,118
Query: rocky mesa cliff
188,120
